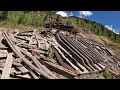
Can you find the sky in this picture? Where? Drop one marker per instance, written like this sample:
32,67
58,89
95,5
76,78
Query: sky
110,19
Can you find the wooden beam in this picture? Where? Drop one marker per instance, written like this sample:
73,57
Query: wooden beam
38,43
23,69
32,37
26,76
38,64
59,69
33,75
25,60
7,67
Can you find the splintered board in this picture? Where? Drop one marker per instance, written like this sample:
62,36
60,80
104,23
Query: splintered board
7,67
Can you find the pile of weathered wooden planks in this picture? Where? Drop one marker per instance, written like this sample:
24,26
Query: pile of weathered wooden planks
25,55
29,55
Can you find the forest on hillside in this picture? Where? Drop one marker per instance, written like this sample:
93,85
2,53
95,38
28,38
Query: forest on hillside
38,18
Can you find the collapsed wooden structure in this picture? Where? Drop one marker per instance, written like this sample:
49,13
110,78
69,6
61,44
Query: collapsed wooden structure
35,54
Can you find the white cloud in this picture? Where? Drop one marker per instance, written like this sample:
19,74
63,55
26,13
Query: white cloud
85,13
111,28
71,14
62,13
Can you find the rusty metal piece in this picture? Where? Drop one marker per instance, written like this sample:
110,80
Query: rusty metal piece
60,60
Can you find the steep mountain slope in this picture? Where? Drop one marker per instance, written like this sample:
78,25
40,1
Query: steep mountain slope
40,18
79,45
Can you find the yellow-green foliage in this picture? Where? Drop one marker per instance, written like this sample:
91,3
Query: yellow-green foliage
107,75
25,18
95,27
13,17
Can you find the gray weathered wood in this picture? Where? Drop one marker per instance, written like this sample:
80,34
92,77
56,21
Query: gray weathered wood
26,61
26,76
2,46
23,69
33,75
59,69
76,68
38,43
32,37
17,64
7,67
38,51
40,66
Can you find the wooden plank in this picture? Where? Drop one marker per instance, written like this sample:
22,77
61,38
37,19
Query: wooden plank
26,45
59,69
61,61
38,43
23,69
31,40
46,45
38,51
17,73
111,52
13,38
73,66
32,37
25,60
25,34
14,72
21,37
3,53
33,75
17,64
39,65
27,31
2,46
7,67
26,76
56,45
18,60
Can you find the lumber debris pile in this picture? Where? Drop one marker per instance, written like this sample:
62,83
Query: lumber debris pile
33,54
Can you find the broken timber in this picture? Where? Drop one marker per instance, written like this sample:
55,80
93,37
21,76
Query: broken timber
22,57
7,67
